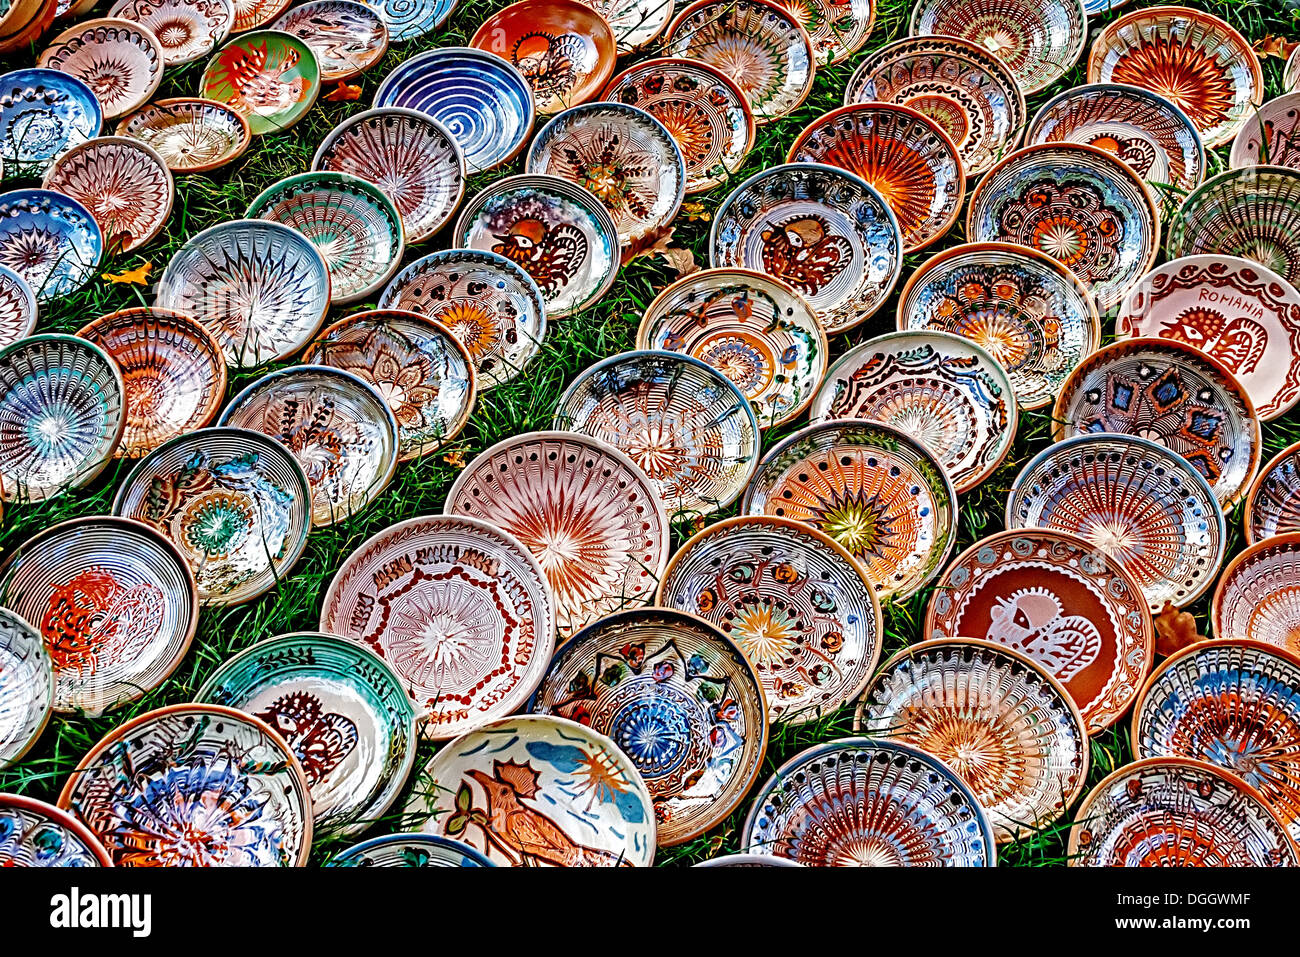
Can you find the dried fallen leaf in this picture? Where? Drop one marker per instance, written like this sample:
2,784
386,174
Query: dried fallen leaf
344,93
1175,630
681,260
1274,46
139,276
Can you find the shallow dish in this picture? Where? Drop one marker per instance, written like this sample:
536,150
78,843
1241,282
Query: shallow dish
1273,503
123,182
459,609
342,712
747,860
269,76
347,37
538,791
115,603
251,14
186,29
858,802
50,240
235,502
1291,73
26,687
679,698
994,716
796,602
688,427
36,834
1258,597
875,490
837,28
820,229
1270,136
43,113
1137,502
191,135
409,850
904,155
120,60
586,512
752,328
194,785
18,308
411,19
939,388
636,23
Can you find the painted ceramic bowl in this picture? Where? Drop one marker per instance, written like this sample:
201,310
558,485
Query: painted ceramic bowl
187,30
36,834
1269,135
747,860
560,233
941,389
23,22
251,14
194,785
356,228
1137,502
235,502
821,230
409,850
61,415
1291,73
43,113
968,91
49,239
1235,705
538,791
491,305
1189,57
760,45
1251,213
679,698
347,37
191,135
564,49
752,328
341,710
483,101
903,154
337,426
410,19
1026,309
624,156
1053,597
701,106
1081,205
26,687
115,603
270,77
422,371
261,288
688,427
1040,41
411,157
121,62
1273,503
18,308
125,185
859,802
586,512
636,23
1172,812
1031,760
1258,597
459,609
796,602
837,28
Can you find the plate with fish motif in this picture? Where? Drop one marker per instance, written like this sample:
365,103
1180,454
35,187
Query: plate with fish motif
343,713
538,791
636,23
194,785
679,698
347,37
50,240
121,61
18,310
1057,599
461,611
796,602
251,14
26,687
43,113
688,427
821,230
123,182
235,502
411,19
409,850
1258,597
269,76
1273,503
837,28
191,135
187,30
752,328
115,603
586,512
36,834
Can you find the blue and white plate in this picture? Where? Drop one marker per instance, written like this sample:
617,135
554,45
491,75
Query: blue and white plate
50,240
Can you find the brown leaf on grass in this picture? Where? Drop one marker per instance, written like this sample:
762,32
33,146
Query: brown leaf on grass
1175,630
344,93
139,276
1274,46
681,260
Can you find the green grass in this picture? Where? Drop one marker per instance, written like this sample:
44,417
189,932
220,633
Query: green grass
526,405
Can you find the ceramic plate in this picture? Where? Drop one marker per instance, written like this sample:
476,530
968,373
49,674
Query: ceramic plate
875,490
796,602
411,157
194,785
422,371
18,308
36,834
49,239
1291,73
26,687
115,603
687,426
993,715
125,185
1258,597
347,37
341,710
755,330
1269,136
191,135
538,791
636,23
411,19
409,850
820,229
187,30
269,76
43,113
121,61
904,155
858,802
458,608
1137,502
747,860
679,698
1273,503
587,512
837,28
259,287
235,502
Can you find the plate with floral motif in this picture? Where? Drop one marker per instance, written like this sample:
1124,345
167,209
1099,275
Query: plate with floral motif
347,37
123,182
190,134
636,23
18,308
1258,597
187,30
1273,502
269,76
26,687
43,113
50,240
36,834
409,850
121,61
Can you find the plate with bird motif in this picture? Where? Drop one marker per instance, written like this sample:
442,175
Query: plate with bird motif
191,135
636,23
1258,597
409,850
1273,502
269,76
26,687
36,834
121,61
347,37
18,310
123,182
50,240
187,30
42,114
